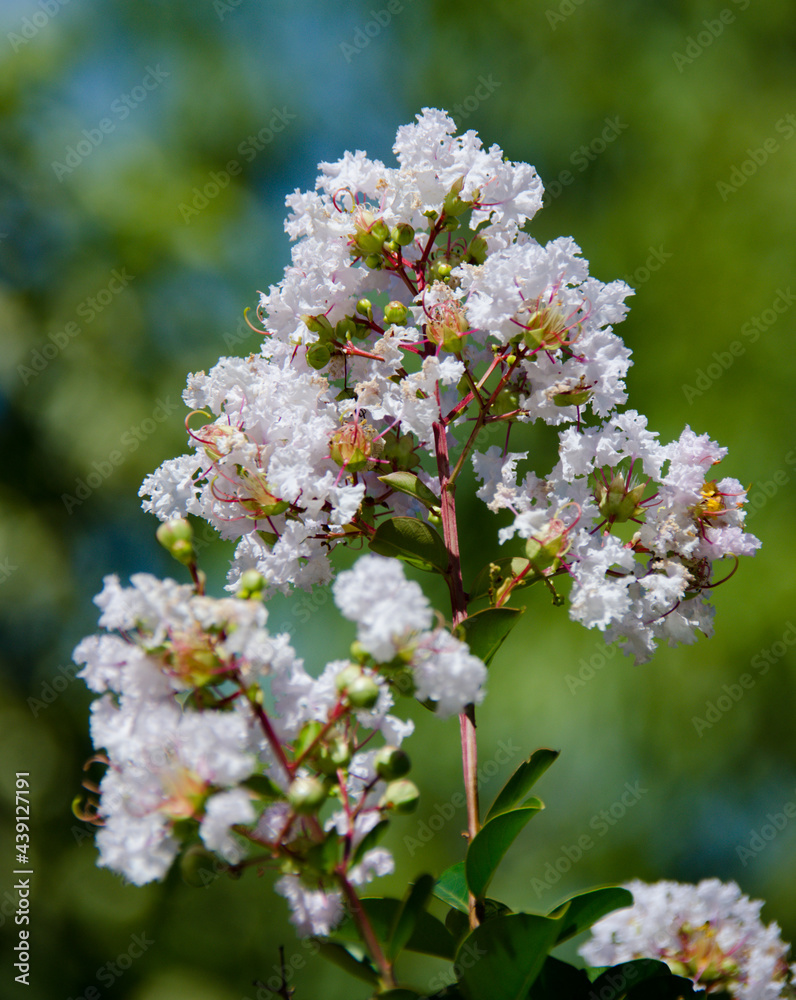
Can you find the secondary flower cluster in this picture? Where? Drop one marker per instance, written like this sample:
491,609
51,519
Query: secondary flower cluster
710,933
197,754
416,310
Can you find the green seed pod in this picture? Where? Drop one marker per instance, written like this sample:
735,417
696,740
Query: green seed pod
318,356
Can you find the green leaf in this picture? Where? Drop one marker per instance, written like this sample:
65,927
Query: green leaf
586,908
487,848
641,979
485,631
412,540
505,956
496,576
342,956
407,916
521,782
429,937
407,482
560,979
458,924
451,887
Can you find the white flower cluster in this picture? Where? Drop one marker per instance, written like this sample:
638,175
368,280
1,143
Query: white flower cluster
709,932
187,742
653,584
481,319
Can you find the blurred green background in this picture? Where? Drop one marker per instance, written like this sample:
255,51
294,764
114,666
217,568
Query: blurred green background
662,132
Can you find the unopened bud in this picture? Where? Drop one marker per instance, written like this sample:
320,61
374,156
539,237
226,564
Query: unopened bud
176,536
364,306
358,688
320,325
401,796
403,234
306,795
251,585
391,763
345,328
477,251
395,312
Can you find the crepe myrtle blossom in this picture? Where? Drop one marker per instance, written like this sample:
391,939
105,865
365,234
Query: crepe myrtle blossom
393,618
165,766
710,933
172,639
648,582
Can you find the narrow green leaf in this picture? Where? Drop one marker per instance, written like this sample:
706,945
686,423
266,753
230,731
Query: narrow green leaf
353,966
510,952
407,482
485,631
521,782
451,887
586,908
487,848
412,540
407,916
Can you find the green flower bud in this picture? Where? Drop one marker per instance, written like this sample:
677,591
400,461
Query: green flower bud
357,687
364,306
318,356
391,762
374,261
306,795
345,329
333,756
403,234
443,271
477,251
176,536
395,312
453,205
363,693
401,796
320,325
252,585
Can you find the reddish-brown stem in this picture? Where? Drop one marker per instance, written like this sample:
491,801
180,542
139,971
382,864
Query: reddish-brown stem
459,613
361,919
